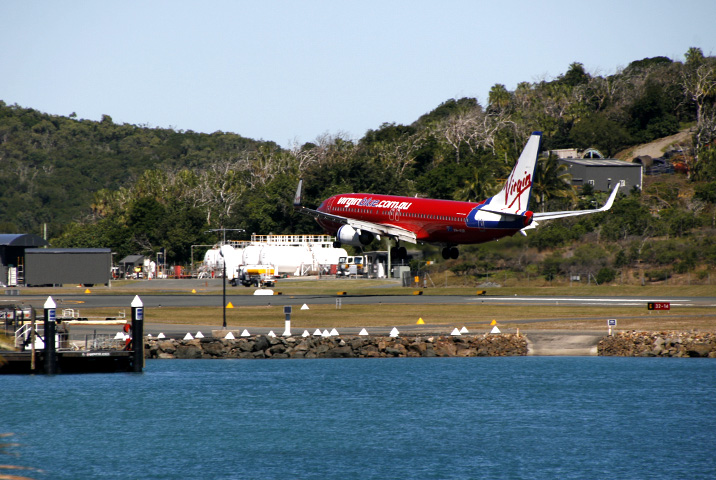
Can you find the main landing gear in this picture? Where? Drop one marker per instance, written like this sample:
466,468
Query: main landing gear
450,252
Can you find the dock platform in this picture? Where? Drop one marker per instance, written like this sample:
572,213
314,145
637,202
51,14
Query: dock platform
107,361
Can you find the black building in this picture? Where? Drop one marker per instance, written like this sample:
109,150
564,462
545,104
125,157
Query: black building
12,256
57,266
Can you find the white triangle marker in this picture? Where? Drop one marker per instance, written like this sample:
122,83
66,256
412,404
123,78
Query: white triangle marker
271,334
161,335
334,333
317,333
394,332
363,332
464,330
304,307
199,335
455,332
188,336
325,333
495,330
229,336
245,333
306,334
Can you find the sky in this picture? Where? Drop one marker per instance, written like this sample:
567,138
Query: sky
292,71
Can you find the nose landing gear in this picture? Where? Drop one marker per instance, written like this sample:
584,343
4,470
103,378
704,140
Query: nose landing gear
450,252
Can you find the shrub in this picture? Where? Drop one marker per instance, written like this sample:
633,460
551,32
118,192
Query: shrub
606,275
657,275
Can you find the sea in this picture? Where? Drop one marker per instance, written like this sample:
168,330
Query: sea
402,418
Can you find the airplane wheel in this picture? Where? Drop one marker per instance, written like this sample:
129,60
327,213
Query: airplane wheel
394,252
446,253
454,253
402,253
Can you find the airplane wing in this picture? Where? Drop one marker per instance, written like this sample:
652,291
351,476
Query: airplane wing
573,213
359,225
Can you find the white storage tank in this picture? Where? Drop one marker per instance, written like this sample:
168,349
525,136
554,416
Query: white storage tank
328,256
287,259
252,255
213,260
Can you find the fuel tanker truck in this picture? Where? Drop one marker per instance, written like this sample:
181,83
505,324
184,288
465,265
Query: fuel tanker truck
256,275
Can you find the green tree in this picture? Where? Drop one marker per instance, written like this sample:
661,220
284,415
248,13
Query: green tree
551,180
498,98
480,185
598,131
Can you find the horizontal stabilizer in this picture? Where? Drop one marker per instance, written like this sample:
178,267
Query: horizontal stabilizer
574,213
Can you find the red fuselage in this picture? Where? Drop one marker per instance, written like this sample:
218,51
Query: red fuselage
432,220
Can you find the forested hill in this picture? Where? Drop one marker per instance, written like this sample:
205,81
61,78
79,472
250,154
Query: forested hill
53,165
137,189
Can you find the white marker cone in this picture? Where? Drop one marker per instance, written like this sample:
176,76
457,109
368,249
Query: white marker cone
495,330
317,333
188,336
334,333
271,334
161,335
363,332
199,335
464,330
229,336
455,332
149,335
304,307
245,333
394,332
306,334
325,333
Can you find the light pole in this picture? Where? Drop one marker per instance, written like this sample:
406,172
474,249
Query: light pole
223,278
221,252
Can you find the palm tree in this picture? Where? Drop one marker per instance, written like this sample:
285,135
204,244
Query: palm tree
551,180
479,186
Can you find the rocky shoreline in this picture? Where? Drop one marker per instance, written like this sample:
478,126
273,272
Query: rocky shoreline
658,344
624,344
263,346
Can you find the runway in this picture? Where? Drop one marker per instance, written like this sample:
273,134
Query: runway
184,300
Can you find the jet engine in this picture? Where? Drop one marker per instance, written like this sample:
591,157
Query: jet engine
349,236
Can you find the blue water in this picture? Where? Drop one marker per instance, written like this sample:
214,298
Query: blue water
432,418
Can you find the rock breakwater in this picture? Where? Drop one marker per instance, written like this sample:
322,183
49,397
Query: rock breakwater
339,347
658,344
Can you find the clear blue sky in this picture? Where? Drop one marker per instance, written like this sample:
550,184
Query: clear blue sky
292,70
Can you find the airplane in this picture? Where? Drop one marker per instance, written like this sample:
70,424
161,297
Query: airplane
358,218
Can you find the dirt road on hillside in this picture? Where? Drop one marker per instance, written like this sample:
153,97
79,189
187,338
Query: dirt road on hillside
656,148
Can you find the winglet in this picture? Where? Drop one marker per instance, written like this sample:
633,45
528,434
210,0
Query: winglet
297,198
611,198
